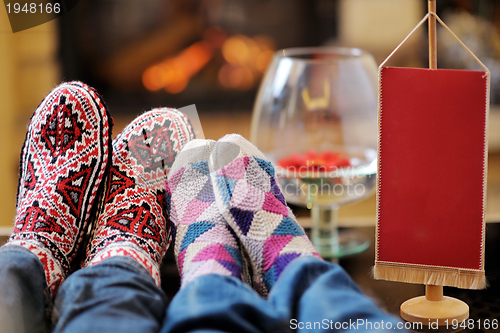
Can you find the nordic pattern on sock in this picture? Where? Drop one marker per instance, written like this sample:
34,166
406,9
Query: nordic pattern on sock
204,243
63,166
253,205
133,221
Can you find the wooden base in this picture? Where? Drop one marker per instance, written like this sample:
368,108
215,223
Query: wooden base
444,311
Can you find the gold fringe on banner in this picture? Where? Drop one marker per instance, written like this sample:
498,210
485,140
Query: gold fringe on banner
432,275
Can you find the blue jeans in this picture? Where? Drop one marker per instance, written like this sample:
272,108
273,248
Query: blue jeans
119,295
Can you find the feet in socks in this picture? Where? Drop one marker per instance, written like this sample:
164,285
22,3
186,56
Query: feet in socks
133,221
249,199
64,162
204,243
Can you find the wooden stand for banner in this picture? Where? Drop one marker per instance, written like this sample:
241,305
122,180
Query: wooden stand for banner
434,307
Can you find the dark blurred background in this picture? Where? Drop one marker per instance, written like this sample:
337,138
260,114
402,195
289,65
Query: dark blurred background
214,53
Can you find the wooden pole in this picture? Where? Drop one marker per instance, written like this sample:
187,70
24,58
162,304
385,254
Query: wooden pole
433,293
431,5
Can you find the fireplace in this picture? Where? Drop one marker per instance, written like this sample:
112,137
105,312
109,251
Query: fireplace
213,54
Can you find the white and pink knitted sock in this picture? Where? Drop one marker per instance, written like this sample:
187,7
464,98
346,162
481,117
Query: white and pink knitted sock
251,202
204,243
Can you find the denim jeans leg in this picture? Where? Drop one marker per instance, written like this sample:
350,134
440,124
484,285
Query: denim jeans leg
320,296
24,298
116,295
310,296
217,303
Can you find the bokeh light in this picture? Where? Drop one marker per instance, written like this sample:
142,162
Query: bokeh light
245,61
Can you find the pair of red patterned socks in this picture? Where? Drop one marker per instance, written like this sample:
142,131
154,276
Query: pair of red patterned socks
74,177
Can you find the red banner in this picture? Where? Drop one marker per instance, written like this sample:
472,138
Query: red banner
432,176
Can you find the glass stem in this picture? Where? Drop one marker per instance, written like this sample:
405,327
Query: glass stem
325,232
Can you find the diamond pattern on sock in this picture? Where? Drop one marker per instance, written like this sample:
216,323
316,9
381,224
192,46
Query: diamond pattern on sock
288,227
204,243
194,209
62,128
242,218
36,219
272,249
71,189
253,205
254,201
134,216
262,217
31,178
63,166
119,182
194,231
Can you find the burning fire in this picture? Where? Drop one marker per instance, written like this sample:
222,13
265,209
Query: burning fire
247,59
173,74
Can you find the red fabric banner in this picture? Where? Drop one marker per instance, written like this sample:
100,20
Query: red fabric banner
432,167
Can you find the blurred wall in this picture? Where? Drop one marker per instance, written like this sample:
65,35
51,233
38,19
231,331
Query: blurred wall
378,26
28,71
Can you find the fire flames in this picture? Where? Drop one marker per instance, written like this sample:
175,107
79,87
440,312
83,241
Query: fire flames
245,61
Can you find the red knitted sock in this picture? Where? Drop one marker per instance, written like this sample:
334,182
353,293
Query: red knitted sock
64,162
133,221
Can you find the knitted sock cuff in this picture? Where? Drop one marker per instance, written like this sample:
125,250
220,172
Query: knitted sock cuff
131,250
54,273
